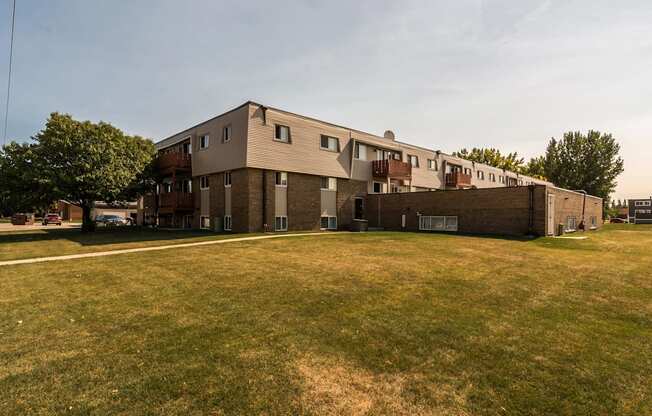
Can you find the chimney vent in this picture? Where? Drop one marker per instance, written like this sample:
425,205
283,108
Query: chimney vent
389,135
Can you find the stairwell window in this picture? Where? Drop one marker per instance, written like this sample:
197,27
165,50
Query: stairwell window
226,133
414,161
204,222
203,183
282,133
328,184
227,179
328,223
360,151
203,141
227,223
281,179
281,223
332,144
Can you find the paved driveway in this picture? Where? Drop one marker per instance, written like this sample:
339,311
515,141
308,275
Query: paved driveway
9,227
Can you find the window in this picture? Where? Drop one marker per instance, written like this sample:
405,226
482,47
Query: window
480,175
467,171
492,177
187,148
642,203
520,182
328,184
414,161
203,141
186,186
226,133
281,179
282,133
437,223
378,187
432,164
330,143
203,182
501,179
227,179
204,222
360,151
594,222
571,223
328,223
227,223
281,223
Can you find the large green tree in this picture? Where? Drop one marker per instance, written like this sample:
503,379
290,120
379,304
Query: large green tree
493,157
590,162
81,162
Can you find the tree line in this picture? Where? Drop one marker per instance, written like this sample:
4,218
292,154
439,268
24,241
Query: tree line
588,162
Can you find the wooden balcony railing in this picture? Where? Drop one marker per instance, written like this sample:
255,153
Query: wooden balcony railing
390,168
174,160
177,200
458,180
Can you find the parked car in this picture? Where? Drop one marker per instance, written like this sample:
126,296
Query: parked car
51,219
617,220
110,220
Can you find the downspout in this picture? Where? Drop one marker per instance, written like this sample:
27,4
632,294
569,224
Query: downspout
530,225
264,200
582,191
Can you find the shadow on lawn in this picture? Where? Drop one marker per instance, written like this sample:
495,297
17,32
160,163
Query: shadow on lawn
101,236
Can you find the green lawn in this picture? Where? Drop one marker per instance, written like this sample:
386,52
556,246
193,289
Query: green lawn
55,242
347,324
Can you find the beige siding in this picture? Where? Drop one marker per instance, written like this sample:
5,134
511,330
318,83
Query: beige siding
328,203
303,154
280,201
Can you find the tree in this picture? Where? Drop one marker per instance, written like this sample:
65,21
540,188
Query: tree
589,162
536,168
493,157
81,162
20,188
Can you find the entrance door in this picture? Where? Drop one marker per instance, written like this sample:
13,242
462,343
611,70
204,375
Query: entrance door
551,215
358,210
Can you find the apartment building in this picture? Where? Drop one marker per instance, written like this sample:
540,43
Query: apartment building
258,168
640,211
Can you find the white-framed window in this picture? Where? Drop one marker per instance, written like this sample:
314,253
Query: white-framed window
642,203
571,223
643,211
281,178
227,223
594,222
203,183
492,177
480,175
467,171
414,160
328,183
437,223
227,179
226,133
501,179
432,164
203,141
520,182
204,222
281,223
329,143
282,133
360,151
328,223
378,187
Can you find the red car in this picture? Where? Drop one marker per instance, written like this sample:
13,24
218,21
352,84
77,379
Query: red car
52,219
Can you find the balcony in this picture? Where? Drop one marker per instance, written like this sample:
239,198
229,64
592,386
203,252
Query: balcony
176,201
174,160
458,180
390,168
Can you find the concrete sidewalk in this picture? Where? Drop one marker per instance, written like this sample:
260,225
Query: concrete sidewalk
157,248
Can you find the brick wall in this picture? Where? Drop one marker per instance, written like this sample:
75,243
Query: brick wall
569,203
304,202
503,211
346,191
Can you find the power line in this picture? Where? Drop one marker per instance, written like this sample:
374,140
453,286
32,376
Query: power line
11,56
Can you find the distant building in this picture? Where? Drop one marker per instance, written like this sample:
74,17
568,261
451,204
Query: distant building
640,211
72,212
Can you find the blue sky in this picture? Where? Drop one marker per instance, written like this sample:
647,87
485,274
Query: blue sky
443,74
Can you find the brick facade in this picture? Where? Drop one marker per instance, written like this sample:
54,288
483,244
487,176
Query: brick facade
347,190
